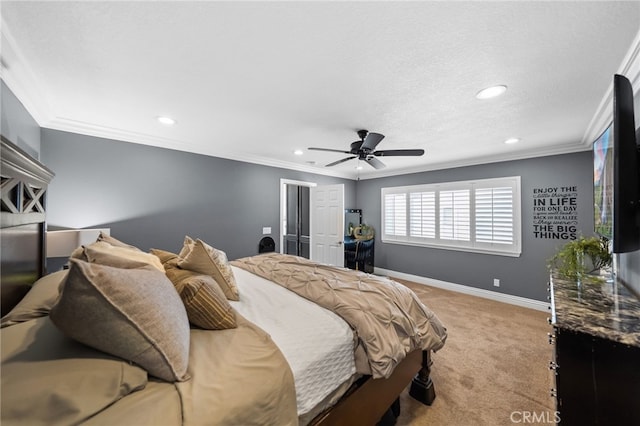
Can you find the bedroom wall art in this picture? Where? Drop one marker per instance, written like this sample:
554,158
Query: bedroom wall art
555,212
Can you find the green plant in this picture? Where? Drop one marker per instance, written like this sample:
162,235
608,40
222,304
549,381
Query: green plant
570,262
364,232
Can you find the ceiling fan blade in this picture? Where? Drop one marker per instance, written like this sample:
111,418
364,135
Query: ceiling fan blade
375,163
340,161
399,153
329,150
371,141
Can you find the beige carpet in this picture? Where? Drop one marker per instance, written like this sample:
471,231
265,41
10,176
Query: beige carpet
494,366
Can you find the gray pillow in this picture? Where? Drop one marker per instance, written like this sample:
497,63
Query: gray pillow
38,301
133,313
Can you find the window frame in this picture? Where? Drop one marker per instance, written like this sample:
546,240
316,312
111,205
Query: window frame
503,249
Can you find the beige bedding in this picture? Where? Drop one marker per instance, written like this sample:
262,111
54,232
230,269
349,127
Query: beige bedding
238,377
389,319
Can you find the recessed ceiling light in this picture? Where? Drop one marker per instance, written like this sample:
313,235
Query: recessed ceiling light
512,141
491,92
167,121
298,152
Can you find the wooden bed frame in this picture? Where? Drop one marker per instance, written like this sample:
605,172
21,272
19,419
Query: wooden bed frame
24,184
376,401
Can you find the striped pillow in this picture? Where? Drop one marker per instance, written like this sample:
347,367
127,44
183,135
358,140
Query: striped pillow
205,302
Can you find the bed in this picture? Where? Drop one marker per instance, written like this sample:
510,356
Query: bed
137,365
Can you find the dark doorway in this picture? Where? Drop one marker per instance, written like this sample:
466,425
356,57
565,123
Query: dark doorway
297,238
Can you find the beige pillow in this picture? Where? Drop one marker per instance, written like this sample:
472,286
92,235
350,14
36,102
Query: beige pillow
38,301
97,252
179,276
207,306
163,255
168,259
209,261
114,242
78,253
49,379
135,314
187,246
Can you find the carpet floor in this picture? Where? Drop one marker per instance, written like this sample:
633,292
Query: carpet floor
493,369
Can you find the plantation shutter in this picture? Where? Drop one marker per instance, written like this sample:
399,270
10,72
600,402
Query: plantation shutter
422,214
482,215
395,214
454,215
494,215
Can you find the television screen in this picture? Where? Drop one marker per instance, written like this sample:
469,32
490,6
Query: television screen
626,173
603,184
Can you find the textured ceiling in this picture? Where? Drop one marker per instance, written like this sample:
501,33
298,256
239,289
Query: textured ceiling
254,81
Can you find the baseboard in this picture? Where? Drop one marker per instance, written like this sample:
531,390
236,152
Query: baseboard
487,294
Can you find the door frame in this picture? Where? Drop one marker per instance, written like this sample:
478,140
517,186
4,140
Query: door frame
325,220
283,206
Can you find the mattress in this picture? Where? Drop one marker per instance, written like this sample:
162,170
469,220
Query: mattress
317,344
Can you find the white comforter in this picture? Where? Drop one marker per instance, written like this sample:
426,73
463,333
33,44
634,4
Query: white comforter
317,343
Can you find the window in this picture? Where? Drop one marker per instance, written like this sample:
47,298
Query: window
395,218
480,215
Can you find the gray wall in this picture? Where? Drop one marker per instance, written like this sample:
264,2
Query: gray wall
153,197
17,124
524,276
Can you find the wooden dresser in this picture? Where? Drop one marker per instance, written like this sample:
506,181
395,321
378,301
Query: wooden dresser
596,338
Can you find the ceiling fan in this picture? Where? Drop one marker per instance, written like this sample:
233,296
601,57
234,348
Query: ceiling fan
364,149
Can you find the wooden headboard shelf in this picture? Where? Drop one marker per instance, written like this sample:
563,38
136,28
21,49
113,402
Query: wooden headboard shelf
23,182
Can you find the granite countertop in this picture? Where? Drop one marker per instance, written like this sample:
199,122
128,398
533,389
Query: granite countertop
596,305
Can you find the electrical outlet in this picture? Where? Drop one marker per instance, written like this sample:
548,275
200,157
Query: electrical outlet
496,282
266,230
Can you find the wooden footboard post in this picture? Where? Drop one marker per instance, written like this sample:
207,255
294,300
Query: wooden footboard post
422,387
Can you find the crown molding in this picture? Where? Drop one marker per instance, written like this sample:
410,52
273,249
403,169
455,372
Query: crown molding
20,78
630,68
90,129
476,161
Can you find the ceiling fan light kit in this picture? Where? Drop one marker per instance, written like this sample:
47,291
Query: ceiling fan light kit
364,150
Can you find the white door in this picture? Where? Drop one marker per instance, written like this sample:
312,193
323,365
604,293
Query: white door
327,224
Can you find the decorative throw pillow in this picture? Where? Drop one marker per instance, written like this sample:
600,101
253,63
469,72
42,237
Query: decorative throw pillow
178,277
168,259
100,251
207,306
209,261
114,242
38,301
135,314
187,246
78,253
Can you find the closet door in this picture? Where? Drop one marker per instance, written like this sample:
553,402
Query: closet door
297,238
